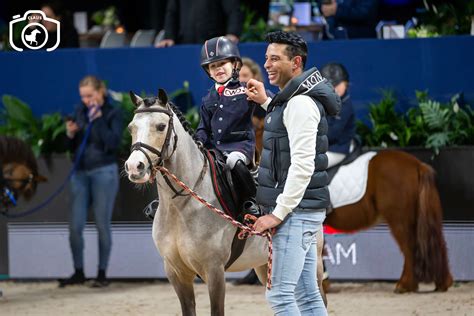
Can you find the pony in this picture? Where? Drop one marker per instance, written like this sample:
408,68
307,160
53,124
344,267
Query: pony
402,191
192,240
18,170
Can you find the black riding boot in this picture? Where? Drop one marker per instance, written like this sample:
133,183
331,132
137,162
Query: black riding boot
245,182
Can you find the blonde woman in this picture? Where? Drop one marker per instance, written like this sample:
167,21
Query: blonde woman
95,183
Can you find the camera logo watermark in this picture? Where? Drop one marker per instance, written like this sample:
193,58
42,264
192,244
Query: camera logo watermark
34,34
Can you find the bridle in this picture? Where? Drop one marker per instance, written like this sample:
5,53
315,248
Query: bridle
8,194
140,146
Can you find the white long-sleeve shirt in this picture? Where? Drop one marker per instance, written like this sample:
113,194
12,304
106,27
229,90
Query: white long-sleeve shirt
301,118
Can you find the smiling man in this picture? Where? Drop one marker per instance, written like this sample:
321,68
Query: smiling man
292,179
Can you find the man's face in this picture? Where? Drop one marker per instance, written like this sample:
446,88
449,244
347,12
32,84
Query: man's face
279,66
221,71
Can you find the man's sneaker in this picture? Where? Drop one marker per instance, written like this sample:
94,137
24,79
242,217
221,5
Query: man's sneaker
150,209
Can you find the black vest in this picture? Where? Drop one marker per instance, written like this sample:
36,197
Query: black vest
276,158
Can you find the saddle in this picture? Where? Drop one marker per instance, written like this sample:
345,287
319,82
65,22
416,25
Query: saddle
347,160
231,187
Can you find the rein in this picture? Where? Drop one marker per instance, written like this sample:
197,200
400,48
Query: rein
248,230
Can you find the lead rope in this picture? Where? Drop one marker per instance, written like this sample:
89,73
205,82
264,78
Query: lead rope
248,230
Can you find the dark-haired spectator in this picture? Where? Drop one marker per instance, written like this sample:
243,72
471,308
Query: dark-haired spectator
341,128
357,18
195,21
68,33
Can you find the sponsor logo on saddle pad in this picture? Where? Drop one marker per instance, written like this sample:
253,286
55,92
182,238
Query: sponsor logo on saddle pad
232,92
312,80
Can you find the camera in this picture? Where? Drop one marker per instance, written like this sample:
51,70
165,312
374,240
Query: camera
33,34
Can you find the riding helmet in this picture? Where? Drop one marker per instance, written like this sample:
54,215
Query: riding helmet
218,48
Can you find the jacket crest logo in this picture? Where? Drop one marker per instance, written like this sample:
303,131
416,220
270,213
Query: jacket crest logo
232,92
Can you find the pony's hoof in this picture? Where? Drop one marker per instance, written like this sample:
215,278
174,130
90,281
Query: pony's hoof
445,285
400,289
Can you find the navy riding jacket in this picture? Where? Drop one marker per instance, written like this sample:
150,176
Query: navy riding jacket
226,120
342,127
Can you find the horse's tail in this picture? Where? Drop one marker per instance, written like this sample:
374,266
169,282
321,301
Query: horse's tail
431,258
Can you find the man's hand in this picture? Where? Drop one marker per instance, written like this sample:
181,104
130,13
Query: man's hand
329,9
266,222
256,91
165,43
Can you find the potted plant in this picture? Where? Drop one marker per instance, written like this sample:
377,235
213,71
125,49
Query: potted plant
440,134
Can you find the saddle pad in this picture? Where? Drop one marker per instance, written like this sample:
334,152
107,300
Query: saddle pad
350,182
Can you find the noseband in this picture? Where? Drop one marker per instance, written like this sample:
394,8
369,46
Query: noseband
142,146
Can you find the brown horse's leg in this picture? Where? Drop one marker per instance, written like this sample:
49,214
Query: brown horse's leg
183,284
406,242
216,285
393,183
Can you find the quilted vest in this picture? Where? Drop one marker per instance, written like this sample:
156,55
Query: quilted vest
276,157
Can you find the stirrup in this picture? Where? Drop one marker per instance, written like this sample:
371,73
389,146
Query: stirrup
251,207
151,208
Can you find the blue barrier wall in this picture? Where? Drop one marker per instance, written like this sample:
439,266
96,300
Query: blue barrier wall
48,81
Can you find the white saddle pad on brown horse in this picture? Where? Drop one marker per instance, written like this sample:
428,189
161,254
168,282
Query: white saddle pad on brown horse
350,182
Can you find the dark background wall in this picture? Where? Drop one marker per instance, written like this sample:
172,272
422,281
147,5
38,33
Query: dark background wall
48,81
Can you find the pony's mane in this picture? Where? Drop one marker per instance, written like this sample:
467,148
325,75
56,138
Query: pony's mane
15,150
148,102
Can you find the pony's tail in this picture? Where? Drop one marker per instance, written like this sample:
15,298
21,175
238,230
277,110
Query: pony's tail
431,258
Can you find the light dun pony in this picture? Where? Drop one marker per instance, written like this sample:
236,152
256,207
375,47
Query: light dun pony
191,239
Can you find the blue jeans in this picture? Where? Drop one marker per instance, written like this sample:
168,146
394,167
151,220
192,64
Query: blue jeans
295,289
97,189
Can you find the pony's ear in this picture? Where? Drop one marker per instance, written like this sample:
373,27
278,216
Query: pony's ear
135,98
40,178
162,96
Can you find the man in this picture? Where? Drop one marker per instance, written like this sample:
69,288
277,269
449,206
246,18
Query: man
292,179
195,21
342,128
357,17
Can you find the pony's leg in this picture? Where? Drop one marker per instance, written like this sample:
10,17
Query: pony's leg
215,280
183,284
262,273
405,239
320,267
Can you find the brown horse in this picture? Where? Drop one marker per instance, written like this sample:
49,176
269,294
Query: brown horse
400,190
18,170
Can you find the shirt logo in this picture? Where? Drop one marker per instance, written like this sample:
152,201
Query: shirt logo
312,80
269,119
232,92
